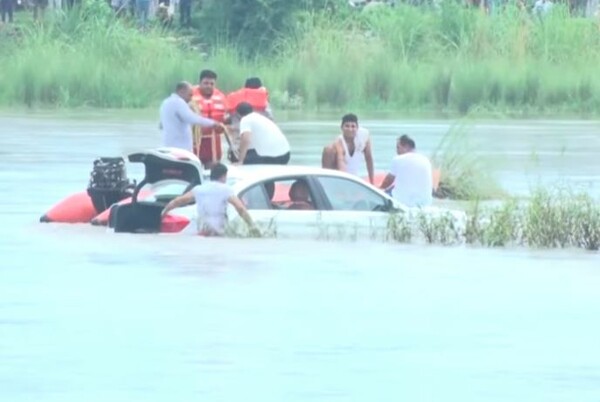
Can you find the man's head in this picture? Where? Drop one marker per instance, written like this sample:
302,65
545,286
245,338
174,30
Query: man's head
218,172
184,90
243,109
207,82
405,144
349,125
253,83
299,191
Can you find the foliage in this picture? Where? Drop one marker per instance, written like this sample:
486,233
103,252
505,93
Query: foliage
316,55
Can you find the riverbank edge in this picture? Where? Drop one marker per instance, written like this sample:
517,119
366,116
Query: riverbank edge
312,113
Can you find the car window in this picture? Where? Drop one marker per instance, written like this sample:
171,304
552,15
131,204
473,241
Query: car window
255,198
289,193
347,195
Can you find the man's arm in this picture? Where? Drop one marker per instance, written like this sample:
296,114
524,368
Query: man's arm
341,158
369,161
388,181
243,213
269,111
186,114
244,142
185,199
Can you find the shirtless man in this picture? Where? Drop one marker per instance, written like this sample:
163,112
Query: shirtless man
349,149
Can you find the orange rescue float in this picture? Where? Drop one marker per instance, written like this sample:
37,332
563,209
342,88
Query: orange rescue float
108,185
76,208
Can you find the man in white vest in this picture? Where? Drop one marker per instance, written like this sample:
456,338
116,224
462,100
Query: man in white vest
350,149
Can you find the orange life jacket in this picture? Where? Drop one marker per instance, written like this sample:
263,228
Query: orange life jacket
212,108
258,98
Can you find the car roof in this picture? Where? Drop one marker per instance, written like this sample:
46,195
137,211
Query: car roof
256,173
242,176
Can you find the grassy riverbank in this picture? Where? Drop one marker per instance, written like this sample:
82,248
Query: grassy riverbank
405,59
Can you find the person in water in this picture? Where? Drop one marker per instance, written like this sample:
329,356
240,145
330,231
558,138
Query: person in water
208,101
349,149
211,204
411,175
176,118
261,140
254,93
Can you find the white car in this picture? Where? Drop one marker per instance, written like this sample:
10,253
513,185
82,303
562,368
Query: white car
292,201
284,200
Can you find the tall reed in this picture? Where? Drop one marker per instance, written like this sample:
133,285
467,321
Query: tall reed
448,59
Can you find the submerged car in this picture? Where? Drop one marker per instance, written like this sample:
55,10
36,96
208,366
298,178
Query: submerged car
298,200
284,200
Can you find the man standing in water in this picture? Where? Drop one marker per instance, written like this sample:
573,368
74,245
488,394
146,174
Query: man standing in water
176,118
211,204
411,175
209,102
348,150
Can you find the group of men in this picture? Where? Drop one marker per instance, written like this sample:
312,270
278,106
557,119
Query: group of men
410,178
195,117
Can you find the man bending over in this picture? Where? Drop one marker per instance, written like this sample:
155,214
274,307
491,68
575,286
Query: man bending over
211,204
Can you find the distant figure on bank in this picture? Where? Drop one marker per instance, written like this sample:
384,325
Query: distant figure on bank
253,93
39,9
185,13
541,8
411,175
165,12
211,204
261,141
349,150
120,7
7,9
176,118
209,102
142,11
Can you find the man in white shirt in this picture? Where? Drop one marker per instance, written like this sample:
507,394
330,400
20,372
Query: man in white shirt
411,175
261,141
176,118
349,150
211,204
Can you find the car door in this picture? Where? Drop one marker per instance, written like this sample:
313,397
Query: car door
271,207
354,209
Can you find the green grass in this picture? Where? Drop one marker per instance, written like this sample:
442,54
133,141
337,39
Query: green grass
554,218
406,60
465,176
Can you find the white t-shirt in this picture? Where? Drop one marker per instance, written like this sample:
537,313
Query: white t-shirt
211,206
413,183
265,138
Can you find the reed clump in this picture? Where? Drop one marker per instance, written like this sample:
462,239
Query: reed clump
554,218
550,219
465,175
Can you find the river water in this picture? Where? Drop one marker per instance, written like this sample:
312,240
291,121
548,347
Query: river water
85,315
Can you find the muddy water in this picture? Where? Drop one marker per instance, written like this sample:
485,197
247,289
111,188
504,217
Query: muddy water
89,316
